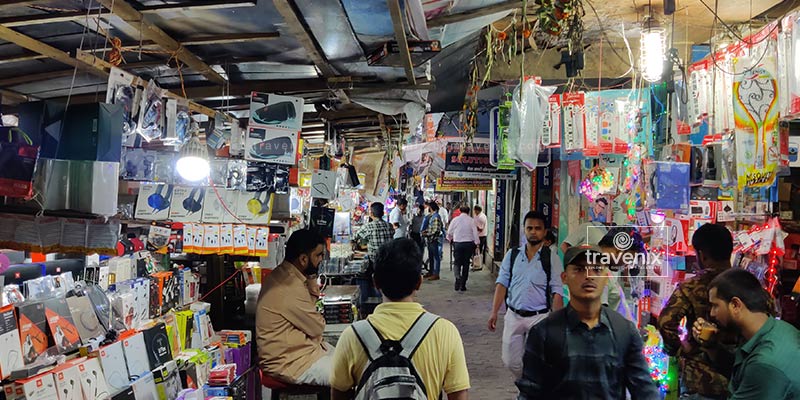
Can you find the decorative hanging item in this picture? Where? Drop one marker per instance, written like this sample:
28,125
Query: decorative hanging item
755,105
598,182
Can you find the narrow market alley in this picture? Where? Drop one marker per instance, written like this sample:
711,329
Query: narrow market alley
469,311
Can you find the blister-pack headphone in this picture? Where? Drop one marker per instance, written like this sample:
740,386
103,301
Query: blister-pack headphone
257,206
159,201
194,203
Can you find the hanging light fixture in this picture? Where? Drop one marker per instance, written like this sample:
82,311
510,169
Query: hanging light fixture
193,163
652,50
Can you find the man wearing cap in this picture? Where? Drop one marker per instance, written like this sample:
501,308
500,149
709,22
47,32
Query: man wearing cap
585,350
529,282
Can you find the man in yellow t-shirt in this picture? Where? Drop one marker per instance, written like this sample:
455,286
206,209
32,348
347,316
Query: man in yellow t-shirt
439,360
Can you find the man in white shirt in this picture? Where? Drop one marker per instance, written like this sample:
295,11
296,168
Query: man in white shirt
462,234
483,231
398,219
444,213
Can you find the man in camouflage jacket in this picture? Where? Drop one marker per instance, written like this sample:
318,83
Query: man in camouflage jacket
705,368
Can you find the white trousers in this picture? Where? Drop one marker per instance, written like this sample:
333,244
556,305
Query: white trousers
319,373
515,334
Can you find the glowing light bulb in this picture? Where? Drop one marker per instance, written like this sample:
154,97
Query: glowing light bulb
652,52
193,163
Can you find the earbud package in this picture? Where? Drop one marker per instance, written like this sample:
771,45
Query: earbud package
62,327
10,350
157,343
226,239
254,208
211,239
171,322
93,381
39,387
112,359
153,202
141,301
198,230
188,237
185,322
145,387
124,306
68,380
136,355
85,318
220,205
240,239
188,204
168,381
32,331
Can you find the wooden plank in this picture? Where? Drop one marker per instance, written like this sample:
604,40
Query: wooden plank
32,44
402,40
136,20
27,56
298,28
230,38
19,80
50,18
476,13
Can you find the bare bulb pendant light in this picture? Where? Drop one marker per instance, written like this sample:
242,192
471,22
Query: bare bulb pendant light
652,50
193,164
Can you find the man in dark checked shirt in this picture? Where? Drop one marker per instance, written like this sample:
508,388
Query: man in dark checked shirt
376,231
585,350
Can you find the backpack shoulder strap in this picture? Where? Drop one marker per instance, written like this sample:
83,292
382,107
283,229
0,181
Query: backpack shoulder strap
413,338
369,338
514,254
544,258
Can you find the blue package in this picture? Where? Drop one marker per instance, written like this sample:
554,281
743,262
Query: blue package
671,185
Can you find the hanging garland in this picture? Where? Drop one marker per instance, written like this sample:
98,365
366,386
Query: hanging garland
599,182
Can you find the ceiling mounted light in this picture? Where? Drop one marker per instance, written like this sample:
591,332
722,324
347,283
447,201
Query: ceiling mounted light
193,163
652,50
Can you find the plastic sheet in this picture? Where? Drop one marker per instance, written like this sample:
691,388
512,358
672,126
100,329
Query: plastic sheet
530,104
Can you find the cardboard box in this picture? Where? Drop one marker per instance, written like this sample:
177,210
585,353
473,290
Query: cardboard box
157,343
93,381
112,359
10,347
185,322
145,387
154,201
39,387
62,327
187,205
136,355
32,331
67,380
85,319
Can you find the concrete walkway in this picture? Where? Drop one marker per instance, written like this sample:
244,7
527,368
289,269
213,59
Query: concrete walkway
469,311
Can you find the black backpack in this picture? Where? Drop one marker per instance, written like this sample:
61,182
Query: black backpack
544,257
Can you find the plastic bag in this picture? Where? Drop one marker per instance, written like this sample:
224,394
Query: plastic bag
151,113
530,104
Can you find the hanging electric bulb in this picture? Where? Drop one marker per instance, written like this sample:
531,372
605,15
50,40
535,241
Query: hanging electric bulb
193,163
652,50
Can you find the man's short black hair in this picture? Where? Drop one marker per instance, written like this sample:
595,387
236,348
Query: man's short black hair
478,208
601,200
550,236
636,240
301,242
714,240
376,209
464,209
398,267
402,202
536,215
434,206
740,283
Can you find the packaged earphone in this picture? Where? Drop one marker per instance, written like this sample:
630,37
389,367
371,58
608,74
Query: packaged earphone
220,205
12,295
179,120
254,208
154,201
218,176
40,288
237,175
158,238
121,91
164,167
151,113
137,165
188,204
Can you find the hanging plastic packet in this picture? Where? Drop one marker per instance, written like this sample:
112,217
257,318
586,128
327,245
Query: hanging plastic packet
220,132
12,295
40,288
530,143
151,114
237,175
178,122
121,91
164,168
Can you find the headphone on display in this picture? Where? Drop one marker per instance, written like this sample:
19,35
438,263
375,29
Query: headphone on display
158,201
235,178
193,204
256,206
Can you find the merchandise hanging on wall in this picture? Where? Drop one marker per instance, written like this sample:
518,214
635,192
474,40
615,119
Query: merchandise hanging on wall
275,123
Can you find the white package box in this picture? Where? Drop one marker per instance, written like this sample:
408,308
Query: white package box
154,201
187,204
68,382
214,209
93,381
144,388
136,355
10,347
112,359
39,387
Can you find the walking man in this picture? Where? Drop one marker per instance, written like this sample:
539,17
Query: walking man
400,331
483,231
529,283
586,350
463,235
433,235
767,365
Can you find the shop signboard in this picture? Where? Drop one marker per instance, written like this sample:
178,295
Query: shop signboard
500,220
456,184
272,133
472,163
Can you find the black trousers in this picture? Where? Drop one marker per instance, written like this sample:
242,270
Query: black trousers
417,238
462,253
482,249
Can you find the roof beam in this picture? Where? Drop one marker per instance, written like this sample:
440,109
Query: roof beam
27,56
226,38
23,79
124,10
25,20
402,40
297,27
475,13
44,49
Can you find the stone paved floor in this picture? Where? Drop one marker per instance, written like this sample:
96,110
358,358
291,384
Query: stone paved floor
469,311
